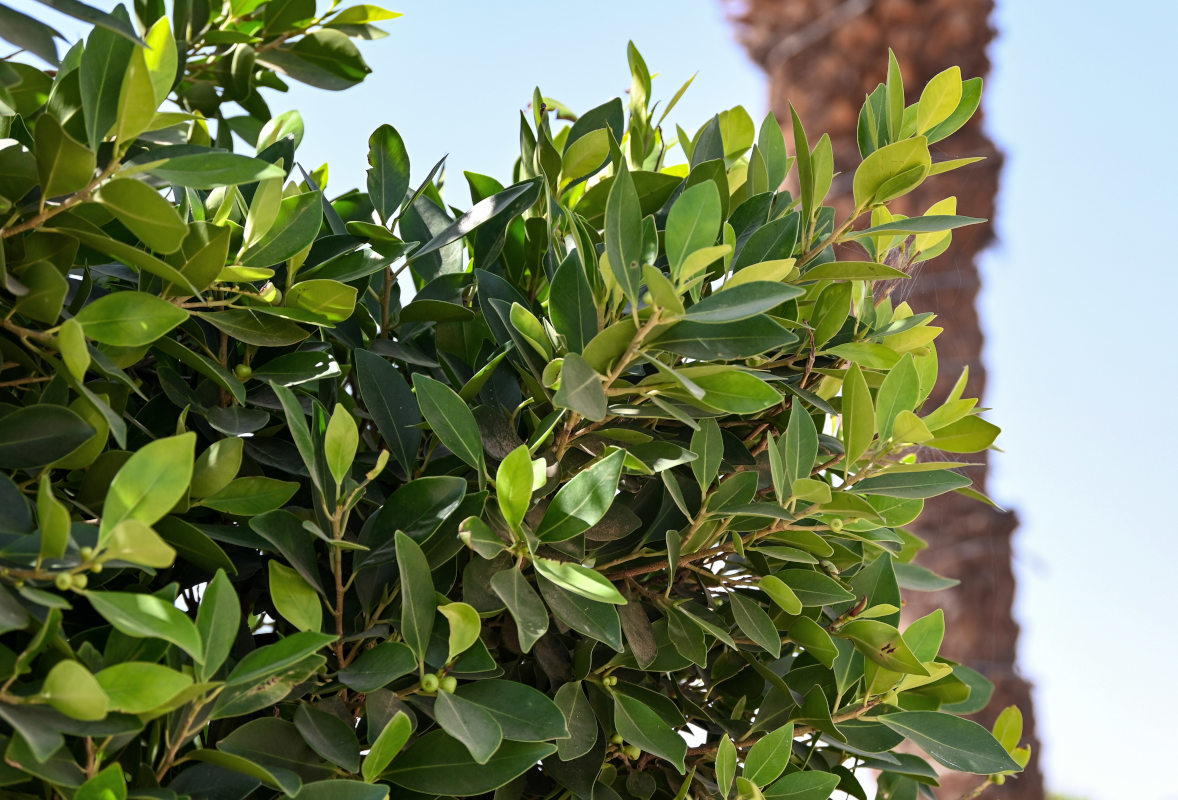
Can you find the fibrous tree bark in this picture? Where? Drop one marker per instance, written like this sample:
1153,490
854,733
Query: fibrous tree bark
824,57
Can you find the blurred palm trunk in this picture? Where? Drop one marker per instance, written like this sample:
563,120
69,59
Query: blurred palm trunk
824,56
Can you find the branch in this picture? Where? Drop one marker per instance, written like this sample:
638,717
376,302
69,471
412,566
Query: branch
71,201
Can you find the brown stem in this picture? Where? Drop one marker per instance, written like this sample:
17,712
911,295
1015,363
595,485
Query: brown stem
71,201
801,730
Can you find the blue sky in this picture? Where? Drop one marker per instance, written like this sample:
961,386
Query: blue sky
1077,300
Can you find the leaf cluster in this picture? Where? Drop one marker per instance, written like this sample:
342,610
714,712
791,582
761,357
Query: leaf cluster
597,487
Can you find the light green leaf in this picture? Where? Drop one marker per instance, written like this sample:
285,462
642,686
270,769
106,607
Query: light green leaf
858,422
464,627
340,443
295,599
725,765
136,687
129,319
63,165
217,622
623,233
579,580
249,497
892,171
147,616
149,484
71,689
388,744
135,542
211,170
692,224
53,519
513,485
217,466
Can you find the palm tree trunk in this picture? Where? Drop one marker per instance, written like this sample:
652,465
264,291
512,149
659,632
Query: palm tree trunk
824,56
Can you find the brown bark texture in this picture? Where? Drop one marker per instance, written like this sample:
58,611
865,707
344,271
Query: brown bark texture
824,56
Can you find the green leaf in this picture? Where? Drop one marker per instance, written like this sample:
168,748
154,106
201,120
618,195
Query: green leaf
891,171
692,224
450,419
725,765
216,466
779,591
640,725
388,173
437,764
581,389
510,202
340,443
956,743
149,484
583,501
93,16
858,423
147,616
584,157
275,777
71,689
329,736
129,319
388,744
513,485
136,543
470,724
933,223
582,724
161,59
811,785
741,302
734,391
597,620
145,213
298,221
137,102
63,165
814,588
623,233
900,391
940,98
1008,728
54,520
247,497
326,298
213,169
108,784
883,644
464,627
971,98
274,658
295,599
724,342
325,59
523,713
341,789
217,621
894,96
417,595
913,484
378,667
531,617
30,34
579,580
391,404
102,70
968,435
769,757
853,270
755,624
136,687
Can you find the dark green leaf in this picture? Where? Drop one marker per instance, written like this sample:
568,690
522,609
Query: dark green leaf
450,419
638,724
531,617
957,743
436,764
741,302
417,595
583,501
378,667
36,435
388,173
470,724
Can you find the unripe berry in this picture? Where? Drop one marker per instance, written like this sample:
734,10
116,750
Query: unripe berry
429,683
632,751
616,739
448,684
610,680
836,525
63,581
86,553
80,581
243,372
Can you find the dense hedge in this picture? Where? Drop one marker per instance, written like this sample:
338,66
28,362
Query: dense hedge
596,488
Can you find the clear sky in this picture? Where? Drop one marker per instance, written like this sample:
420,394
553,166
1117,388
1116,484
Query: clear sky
1077,303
